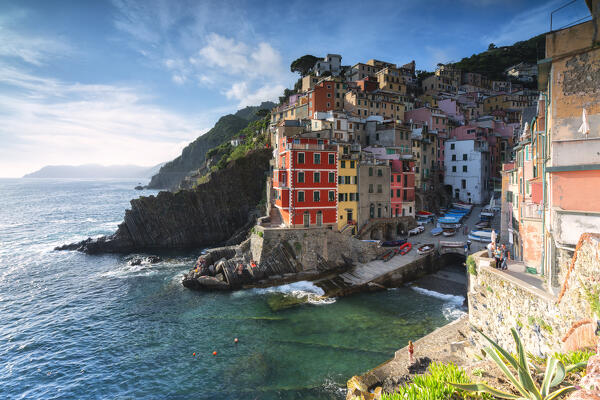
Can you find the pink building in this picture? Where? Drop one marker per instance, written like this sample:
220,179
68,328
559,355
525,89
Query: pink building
436,121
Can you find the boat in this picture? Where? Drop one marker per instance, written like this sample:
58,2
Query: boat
405,248
416,231
426,249
482,224
450,226
481,235
392,243
462,205
449,232
389,255
424,213
436,231
486,214
449,220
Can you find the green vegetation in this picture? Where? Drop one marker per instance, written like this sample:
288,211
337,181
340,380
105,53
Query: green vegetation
577,358
592,295
304,64
433,385
194,154
471,266
523,383
495,60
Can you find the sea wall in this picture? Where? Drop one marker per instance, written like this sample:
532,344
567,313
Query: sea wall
313,245
547,322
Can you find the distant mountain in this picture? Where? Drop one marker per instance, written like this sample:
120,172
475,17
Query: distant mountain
495,60
94,171
194,154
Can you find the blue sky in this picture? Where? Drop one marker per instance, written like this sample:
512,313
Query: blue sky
132,82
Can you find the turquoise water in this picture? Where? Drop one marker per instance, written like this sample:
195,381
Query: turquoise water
76,326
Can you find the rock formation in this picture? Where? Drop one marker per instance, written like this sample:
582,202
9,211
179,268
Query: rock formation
206,216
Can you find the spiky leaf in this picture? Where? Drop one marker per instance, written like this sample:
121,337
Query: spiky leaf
482,387
559,392
523,370
500,350
494,356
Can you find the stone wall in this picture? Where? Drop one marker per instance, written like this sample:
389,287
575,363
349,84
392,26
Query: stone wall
546,322
311,244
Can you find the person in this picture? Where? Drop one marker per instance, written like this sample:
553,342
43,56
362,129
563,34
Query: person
490,249
252,264
240,269
469,245
498,257
504,261
411,351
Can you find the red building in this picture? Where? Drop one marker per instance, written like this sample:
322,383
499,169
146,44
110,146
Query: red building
321,98
305,182
402,187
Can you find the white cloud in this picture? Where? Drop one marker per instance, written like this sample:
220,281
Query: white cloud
47,121
30,49
523,26
246,97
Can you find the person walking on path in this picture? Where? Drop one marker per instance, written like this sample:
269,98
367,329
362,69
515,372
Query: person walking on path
498,257
504,254
411,351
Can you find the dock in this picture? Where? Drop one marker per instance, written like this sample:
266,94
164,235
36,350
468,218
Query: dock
377,274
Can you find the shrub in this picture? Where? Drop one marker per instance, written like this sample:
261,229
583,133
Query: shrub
471,266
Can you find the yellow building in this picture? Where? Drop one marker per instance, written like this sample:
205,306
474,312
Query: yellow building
390,79
387,105
348,159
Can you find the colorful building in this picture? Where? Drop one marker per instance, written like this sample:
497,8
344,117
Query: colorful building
305,181
402,188
348,160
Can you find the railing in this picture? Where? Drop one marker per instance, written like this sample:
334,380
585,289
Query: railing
350,156
531,210
304,146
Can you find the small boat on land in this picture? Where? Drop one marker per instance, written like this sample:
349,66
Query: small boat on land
392,243
446,226
390,254
426,249
424,213
449,219
481,235
482,224
405,248
416,231
462,205
436,231
449,232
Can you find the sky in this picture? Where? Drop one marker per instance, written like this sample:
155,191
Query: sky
132,82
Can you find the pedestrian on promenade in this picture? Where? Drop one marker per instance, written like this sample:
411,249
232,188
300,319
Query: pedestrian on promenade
504,253
411,351
490,249
498,257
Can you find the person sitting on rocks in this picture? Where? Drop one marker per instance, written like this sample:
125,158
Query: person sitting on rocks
240,269
252,264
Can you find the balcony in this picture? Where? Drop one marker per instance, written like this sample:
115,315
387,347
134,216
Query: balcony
531,211
304,146
353,156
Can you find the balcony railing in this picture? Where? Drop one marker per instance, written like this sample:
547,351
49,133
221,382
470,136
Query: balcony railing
304,146
531,210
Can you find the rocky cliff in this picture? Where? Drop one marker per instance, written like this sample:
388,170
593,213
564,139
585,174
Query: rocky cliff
193,155
206,216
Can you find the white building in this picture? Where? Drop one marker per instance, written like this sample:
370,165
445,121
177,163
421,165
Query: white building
331,63
467,169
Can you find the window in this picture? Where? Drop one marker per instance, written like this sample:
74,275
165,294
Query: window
332,159
300,177
316,196
370,171
300,158
454,168
398,193
379,188
463,183
300,197
453,157
378,212
351,164
340,197
379,172
464,157
331,195
347,180
342,164
332,177
317,177
317,158
352,196
372,211
370,188
398,178
464,168
391,178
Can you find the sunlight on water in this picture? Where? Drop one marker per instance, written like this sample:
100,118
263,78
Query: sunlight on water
80,326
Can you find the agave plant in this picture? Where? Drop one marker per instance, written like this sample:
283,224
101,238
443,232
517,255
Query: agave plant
524,384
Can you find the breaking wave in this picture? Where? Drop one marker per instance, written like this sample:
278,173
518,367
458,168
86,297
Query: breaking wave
301,289
452,308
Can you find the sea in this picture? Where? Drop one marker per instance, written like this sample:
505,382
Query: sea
78,326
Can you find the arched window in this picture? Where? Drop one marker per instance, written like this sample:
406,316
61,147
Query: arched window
372,210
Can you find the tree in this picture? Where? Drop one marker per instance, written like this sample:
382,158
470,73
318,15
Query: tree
304,64
492,46
263,112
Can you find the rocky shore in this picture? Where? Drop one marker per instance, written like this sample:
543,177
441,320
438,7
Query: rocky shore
218,212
